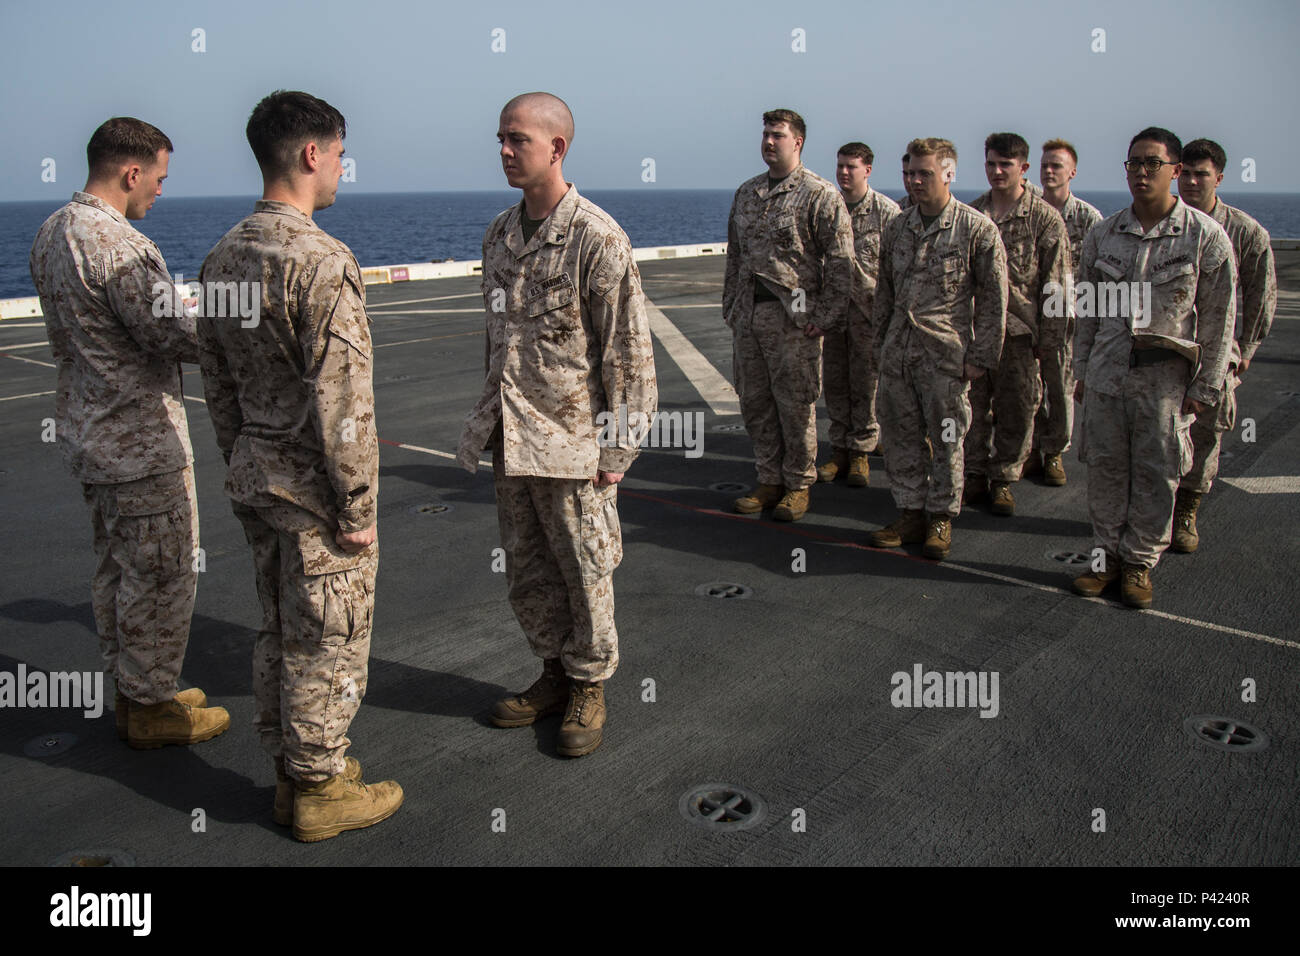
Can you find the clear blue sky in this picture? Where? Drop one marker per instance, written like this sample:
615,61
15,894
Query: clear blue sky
684,83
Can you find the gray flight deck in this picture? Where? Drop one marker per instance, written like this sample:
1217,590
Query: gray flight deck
785,692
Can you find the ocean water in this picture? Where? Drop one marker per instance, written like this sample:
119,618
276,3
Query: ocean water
397,228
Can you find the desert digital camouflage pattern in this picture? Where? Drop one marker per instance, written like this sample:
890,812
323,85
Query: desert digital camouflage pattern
796,239
1257,300
850,363
941,303
1134,438
292,403
121,428
1003,403
567,339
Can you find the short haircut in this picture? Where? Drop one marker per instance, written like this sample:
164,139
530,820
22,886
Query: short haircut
861,150
1011,145
1062,144
550,111
122,139
1199,149
1172,144
283,123
790,117
941,149
906,157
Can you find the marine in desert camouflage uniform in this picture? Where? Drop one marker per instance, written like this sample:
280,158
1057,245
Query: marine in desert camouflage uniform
1252,250
118,332
290,393
1038,260
1146,369
940,309
850,363
1054,423
789,279
568,348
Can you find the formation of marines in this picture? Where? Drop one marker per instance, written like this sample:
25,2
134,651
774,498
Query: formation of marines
946,336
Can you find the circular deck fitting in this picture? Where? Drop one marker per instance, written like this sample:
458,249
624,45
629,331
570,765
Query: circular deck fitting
729,427
1225,733
1071,559
100,856
723,589
436,508
730,487
722,806
50,745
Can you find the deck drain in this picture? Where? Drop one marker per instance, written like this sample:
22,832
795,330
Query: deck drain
1225,733
723,589
730,487
721,806
730,427
433,509
101,856
49,745
1070,558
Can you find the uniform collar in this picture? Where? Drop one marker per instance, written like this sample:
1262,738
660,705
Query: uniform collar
1174,224
1220,212
765,190
944,221
91,200
554,228
862,204
282,209
1019,210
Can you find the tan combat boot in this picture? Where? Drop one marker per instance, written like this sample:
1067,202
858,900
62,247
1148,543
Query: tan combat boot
836,467
548,695
122,706
149,726
1186,538
584,721
1003,502
325,809
859,471
1053,471
793,506
1094,583
760,499
282,811
909,528
1136,588
938,537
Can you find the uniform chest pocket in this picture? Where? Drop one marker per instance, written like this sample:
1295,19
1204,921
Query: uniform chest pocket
1020,253
1172,290
949,273
869,249
554,302
785,231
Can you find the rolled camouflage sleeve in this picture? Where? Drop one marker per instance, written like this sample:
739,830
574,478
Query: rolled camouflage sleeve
1258,279
1053,268
1085,329
1216,310
143,296
616,308
338,355
989,323
834,231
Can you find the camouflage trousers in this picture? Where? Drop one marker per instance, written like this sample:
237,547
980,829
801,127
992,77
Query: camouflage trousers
778,378
850,371
312,652
146,544
562,541
1207,436
1003,403
1136,446
920,402
1054,423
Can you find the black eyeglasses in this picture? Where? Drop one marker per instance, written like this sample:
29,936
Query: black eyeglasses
1152,166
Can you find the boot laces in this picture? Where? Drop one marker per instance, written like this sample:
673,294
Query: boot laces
1134,577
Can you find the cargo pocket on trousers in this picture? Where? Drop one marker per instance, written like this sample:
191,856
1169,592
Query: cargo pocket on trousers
154,515
602,538
339,590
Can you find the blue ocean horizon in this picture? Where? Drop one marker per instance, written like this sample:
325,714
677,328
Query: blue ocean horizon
401,228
